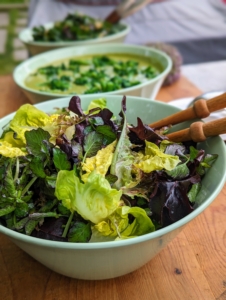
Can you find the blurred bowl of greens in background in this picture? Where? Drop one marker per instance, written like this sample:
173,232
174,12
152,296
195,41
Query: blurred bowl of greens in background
74,30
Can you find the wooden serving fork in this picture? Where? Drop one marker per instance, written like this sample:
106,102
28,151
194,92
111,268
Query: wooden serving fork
198,131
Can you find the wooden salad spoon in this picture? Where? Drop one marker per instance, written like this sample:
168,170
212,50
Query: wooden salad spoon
198,131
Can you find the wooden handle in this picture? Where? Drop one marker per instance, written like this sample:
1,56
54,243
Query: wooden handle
113,18
199,131
125,9
117,14
200,109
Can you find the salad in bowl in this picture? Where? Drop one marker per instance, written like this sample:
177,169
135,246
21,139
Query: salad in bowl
84,176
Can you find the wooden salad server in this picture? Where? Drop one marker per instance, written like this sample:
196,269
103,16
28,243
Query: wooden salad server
200,109
198,131
125,9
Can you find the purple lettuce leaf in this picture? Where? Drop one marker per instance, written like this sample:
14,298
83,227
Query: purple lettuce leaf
169,201
75,106
51,229
144,132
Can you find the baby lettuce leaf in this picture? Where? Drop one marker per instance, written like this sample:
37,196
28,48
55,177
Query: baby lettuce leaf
80,232
38,142
60,160
92,143
179,172
37,167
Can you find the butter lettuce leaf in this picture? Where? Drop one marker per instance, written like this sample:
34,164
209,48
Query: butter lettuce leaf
101,102
94,201
100,162
9,150
154,159
26,118
118,225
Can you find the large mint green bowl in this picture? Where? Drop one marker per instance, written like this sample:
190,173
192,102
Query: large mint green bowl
35,47
148,89
105,260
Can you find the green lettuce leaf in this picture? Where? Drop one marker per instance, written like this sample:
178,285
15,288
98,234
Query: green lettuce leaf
118,225
94,201
101,102
122,161
154,159
100,162
26,118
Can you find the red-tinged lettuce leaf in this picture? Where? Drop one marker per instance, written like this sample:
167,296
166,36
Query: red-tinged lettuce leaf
52,229
79,132
75,106
72,148
106,115
170,203
196,154
123,106
144,132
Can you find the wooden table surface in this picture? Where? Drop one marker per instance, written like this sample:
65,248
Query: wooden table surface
192,266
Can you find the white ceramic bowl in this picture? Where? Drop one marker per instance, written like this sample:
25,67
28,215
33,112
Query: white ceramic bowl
105,260
147,89
35,47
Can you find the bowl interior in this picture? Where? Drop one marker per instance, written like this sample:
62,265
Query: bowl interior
157,58
149,111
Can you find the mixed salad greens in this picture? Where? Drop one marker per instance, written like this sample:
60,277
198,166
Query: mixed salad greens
75,27
95,74
89,176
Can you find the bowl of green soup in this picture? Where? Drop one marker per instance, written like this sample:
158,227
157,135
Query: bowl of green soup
109,69
74,30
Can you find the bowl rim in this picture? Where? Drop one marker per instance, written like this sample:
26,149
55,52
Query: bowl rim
77,51
24,37
121,243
